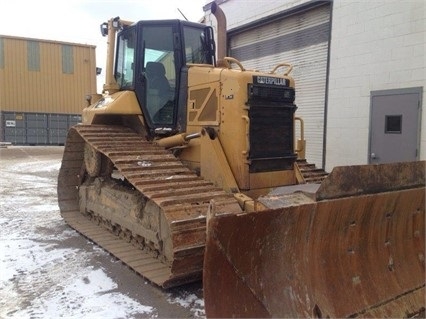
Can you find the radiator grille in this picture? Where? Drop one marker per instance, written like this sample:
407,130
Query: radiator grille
271,93
271,137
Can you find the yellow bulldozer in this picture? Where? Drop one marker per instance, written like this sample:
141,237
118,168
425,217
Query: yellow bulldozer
187,167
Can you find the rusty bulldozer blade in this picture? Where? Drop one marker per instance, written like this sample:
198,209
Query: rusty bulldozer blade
356,249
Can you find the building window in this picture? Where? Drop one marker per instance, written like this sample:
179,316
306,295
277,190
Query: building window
1,53
33,55
393,124
67,59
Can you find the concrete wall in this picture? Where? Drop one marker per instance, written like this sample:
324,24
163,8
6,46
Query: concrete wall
375,45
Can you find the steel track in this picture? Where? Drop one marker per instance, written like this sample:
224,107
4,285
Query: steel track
181,196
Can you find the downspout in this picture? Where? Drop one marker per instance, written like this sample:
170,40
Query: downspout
327,80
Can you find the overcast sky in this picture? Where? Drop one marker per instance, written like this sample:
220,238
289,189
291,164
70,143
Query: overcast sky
78,20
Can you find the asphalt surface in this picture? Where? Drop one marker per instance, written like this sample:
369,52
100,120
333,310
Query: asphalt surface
32,293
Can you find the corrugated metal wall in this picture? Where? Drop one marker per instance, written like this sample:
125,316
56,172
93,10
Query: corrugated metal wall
36,128
45,76
302,40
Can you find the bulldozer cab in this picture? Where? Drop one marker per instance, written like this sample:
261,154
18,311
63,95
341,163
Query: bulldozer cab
150,60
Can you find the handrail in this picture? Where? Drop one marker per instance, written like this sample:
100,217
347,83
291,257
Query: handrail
228,60
287,72
302,134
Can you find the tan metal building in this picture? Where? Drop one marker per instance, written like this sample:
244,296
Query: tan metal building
43,85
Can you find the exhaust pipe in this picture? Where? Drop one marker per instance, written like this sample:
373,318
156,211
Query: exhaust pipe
221,30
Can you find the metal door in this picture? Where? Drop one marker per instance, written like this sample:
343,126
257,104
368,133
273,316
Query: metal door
394,125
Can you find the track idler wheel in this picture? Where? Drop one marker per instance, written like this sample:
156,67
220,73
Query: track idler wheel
96,163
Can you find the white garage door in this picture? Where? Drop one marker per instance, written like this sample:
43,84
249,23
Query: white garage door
302,40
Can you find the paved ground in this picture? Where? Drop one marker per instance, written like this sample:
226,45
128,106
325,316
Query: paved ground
48,270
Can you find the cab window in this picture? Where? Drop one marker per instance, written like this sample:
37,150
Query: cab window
195,46
160,73
124,73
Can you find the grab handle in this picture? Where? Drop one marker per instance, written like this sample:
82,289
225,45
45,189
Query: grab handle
287,72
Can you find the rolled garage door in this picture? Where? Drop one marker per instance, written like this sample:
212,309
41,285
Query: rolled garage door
301,39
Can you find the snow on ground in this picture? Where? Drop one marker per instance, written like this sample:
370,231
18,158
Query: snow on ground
41,276
189,300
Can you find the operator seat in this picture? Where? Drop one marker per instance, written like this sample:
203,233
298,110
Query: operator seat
158,87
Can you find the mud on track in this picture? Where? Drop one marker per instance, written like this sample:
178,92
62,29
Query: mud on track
48,270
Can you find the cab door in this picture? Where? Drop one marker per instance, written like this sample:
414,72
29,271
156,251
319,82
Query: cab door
157,80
